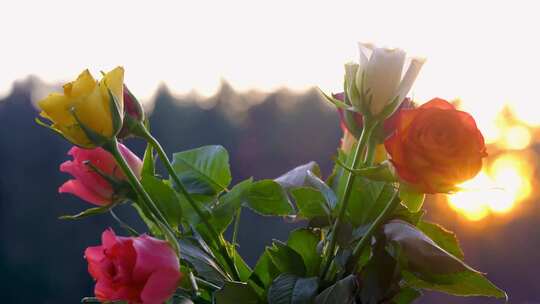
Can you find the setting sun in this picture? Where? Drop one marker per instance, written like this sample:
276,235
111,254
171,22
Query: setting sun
496,189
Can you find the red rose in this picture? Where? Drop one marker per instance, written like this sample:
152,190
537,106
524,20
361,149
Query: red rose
434,147
135,269
89,185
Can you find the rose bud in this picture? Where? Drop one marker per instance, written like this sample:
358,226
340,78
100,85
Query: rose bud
98,178
380,75
435,147
133,114
88,113
352,122
133,269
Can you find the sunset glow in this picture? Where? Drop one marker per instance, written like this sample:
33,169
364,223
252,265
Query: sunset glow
264,47
497,189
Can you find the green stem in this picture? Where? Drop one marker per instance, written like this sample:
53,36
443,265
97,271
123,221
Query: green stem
235,232
143,132
236,226
365,240
362,142
112,147
371,149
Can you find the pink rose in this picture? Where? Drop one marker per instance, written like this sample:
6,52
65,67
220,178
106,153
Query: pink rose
134,269
89,185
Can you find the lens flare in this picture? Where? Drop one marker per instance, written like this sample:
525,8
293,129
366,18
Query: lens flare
496,189
516,137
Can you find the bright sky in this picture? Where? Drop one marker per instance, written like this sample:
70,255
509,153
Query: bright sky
485,52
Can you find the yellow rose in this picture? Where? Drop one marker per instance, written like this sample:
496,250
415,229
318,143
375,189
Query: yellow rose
85,113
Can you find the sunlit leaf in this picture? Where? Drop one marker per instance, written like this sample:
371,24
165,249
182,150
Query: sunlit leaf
411,198
310,202
266,197
446,239
426,265
297,176
204,170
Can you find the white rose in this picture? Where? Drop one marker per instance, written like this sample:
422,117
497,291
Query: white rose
382,69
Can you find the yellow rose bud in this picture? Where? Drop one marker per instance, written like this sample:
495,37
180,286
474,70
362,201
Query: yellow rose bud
88,112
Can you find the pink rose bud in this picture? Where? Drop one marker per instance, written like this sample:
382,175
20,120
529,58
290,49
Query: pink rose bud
132,106
133,113
134,269
88,168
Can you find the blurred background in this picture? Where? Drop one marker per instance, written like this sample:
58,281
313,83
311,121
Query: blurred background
243,74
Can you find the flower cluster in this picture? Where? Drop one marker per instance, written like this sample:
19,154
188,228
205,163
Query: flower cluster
364,238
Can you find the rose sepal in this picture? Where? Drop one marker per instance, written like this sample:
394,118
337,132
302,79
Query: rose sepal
90,212
56,131
116,113
337,103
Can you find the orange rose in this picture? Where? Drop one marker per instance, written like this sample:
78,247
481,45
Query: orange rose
434,147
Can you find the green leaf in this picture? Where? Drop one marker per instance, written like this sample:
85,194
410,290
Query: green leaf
190,216
304,242
149,161
329,195
243,268
235,293
401,212
286,259
406,295
368,199
165,199
266,197
310,203
342,292
411,198
446,239
466,283
290,289
297,176
422,254
228,204
204,264
204,170
264,271
378,276
87,213
426,265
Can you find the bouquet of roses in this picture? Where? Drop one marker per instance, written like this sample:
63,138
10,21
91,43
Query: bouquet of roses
365,239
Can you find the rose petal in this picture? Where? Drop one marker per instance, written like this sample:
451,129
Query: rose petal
75,187
160,286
